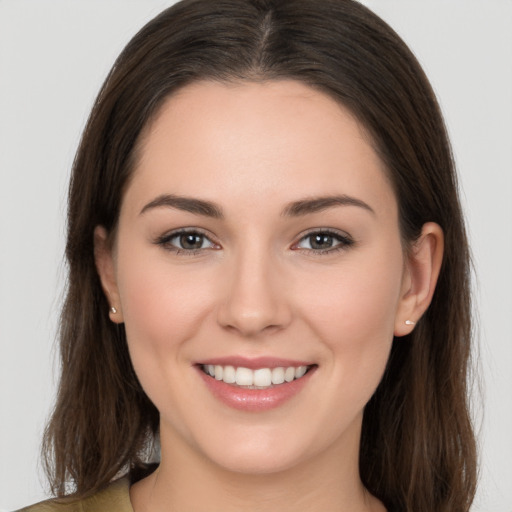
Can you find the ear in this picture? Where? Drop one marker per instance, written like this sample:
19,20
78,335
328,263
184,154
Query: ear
422,267
104,259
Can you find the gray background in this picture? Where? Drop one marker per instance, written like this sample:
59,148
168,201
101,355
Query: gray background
54,55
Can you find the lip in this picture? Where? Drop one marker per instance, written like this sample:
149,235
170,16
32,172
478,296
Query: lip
255,400
254,363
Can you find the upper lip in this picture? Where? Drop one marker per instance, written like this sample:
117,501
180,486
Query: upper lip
254,363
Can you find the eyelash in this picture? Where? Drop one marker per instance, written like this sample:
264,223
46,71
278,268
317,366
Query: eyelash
344,242
165,241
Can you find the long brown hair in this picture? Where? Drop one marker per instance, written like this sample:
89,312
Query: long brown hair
417,448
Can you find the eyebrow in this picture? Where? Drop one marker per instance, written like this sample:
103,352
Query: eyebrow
318,204
295,209
187,204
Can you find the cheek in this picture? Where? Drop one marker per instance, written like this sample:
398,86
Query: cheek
162,305
354,315
354,319
357,298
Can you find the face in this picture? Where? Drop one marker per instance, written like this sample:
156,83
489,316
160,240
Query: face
259,234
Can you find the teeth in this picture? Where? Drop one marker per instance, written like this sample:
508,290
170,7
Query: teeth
263,377
244,377
277,375
256,379
300,371
289,374
229,375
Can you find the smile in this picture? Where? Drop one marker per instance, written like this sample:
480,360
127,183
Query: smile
261,378
255,385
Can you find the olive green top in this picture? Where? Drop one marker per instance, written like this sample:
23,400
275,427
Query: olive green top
114,498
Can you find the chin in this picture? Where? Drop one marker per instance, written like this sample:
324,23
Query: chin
257,462
266,451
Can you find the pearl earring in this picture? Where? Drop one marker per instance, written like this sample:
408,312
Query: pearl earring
113,309
410,322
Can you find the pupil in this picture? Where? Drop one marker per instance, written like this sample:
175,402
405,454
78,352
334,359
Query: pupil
321,241
191,241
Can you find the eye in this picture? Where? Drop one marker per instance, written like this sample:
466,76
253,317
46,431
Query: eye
323,241
185,241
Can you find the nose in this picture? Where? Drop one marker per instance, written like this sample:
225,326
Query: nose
255,296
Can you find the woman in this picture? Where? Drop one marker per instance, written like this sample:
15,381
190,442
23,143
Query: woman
307,354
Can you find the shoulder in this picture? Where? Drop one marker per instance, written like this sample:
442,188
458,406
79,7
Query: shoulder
114,498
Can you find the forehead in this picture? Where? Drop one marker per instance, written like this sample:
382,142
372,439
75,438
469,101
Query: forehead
257,140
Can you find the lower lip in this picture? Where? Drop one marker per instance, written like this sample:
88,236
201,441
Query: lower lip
255,399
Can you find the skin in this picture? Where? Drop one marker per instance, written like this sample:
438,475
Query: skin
258,287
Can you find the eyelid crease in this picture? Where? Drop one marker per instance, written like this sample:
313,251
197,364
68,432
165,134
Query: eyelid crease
326,231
